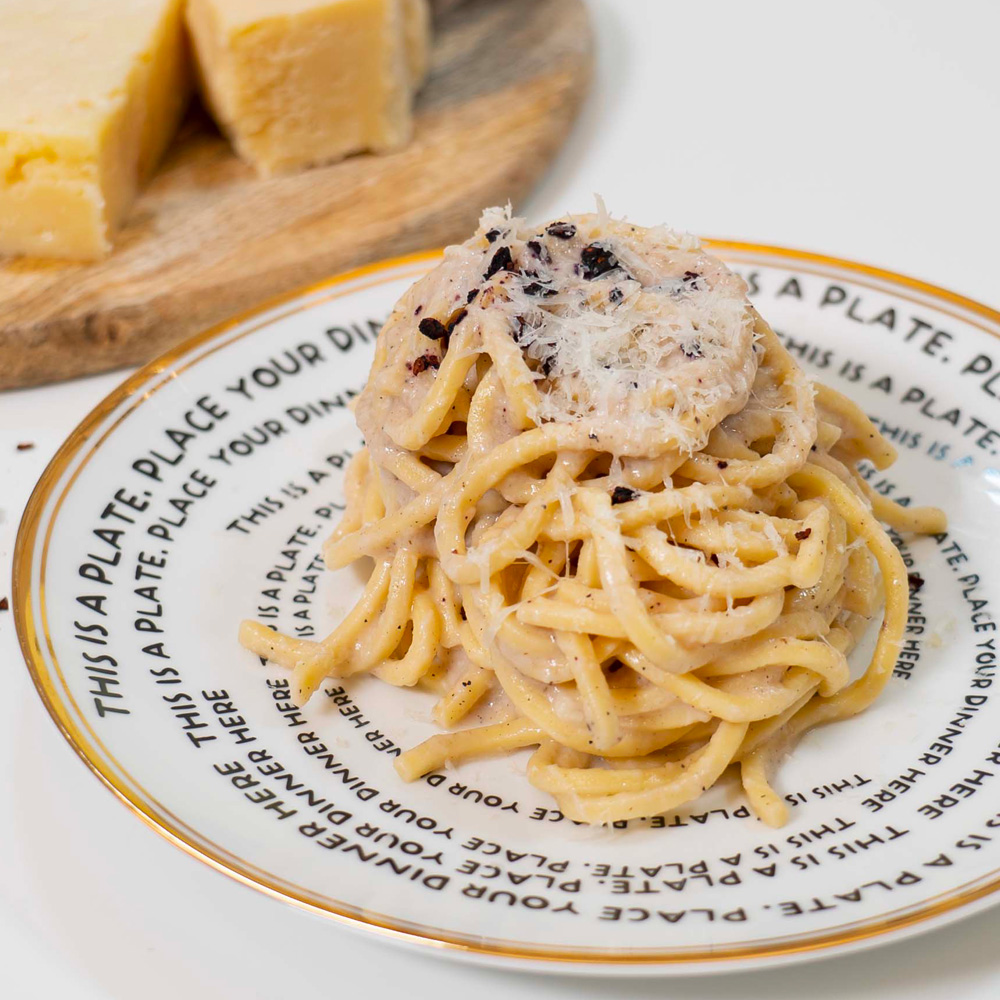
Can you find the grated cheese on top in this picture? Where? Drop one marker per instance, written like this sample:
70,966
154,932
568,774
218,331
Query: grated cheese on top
636,333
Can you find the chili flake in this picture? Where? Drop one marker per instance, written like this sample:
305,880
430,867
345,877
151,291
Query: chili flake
537,288
622,494
501,262
562,230
424,362
597,260
433,328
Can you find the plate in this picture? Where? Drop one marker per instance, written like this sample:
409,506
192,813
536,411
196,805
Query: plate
199,493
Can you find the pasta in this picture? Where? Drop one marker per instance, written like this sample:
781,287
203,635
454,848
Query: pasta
610,518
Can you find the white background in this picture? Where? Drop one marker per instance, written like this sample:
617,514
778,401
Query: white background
860,129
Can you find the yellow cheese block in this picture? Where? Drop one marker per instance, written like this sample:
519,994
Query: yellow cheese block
300,82
90,93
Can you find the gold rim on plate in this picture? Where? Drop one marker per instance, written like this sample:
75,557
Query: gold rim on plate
174,830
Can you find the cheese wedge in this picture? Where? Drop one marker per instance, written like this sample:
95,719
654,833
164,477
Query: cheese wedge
295,83
91,91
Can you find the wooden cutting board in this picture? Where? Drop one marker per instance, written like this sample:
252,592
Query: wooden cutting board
209,239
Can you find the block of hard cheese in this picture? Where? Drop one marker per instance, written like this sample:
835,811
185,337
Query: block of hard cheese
90,93
295,83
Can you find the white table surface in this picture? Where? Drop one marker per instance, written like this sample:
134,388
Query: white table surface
860,129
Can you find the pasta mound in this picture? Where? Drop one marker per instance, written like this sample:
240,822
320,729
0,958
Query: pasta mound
611,517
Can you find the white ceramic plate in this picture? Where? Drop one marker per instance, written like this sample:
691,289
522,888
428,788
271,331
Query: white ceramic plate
198,494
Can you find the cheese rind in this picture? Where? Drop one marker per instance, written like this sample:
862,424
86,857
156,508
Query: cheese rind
91,91
296,83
